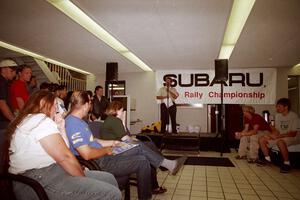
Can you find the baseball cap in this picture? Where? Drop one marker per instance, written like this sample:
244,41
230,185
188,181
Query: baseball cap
8,63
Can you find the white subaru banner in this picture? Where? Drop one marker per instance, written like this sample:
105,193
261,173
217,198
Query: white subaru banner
244,86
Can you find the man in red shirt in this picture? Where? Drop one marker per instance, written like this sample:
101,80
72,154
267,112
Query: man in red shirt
255,127
19,90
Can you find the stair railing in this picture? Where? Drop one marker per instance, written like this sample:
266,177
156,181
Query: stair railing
64,77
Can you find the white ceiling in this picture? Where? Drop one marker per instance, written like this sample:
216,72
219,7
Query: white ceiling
165,34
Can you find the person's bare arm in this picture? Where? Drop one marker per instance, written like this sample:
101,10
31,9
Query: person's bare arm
55,146
20,102
238,135
6,111
174,94
88,153
251,132
246,128
161,97
289,134
108,143
273,135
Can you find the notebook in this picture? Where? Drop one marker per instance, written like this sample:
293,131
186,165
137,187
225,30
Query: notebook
122,147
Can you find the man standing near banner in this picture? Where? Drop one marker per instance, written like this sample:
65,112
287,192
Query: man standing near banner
167,95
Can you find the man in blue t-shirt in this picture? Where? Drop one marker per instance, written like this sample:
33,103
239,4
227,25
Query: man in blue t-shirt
84,144
79,134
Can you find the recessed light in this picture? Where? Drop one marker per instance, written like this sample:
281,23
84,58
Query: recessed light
238,17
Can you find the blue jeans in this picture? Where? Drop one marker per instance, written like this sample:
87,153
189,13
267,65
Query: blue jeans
58,184
153,157
152,154
124,165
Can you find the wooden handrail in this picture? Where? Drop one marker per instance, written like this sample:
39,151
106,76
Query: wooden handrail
65,77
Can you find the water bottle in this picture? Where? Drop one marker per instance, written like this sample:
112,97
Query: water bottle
266,115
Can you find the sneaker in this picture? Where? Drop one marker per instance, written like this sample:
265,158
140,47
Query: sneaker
238,157
159,190
180,162
285,168
163,168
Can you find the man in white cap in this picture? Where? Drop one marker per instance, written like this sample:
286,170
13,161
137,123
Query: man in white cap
7,73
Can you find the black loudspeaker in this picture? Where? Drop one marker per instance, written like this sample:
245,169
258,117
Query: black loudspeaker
111,71
221,69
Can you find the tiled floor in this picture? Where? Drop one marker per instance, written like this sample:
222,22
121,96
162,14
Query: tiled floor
244,181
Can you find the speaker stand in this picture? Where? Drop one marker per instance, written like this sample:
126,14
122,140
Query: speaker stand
111,92
168,114
220,132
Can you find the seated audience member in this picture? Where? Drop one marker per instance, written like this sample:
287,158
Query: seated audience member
284,133
39,150
114,129
44,86
32,85
91,117
19,93
67,100
61,94
255,126
84,144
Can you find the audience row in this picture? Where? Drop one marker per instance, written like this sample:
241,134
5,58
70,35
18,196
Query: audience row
43,136
259,134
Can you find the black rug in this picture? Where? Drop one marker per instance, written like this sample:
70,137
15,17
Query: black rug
206,161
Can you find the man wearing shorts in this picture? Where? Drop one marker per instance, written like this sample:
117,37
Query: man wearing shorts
284,133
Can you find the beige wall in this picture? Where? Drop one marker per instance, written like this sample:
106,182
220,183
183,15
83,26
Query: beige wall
282,87
141,87
281,91
93,81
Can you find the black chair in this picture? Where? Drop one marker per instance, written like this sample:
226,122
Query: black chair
95,128
123,181
6,181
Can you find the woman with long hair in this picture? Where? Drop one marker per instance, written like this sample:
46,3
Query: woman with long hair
39,149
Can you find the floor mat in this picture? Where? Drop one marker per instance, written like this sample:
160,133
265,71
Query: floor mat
206,161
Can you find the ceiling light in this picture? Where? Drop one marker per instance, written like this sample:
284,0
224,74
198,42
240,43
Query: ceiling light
133,58
72,11
238,17
226,51
40,57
